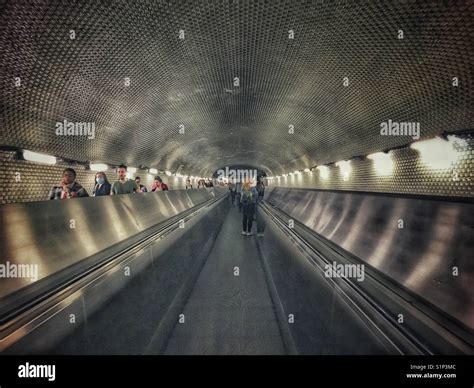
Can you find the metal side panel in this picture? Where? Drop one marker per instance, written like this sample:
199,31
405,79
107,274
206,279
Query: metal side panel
50,236
424,245
107,303
316,314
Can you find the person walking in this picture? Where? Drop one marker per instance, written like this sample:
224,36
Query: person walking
248,199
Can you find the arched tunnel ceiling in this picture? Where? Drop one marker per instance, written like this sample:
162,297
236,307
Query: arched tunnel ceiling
190,81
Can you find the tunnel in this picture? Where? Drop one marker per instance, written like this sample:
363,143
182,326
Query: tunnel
305,178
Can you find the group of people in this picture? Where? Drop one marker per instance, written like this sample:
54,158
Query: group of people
247,197
204,183
70,188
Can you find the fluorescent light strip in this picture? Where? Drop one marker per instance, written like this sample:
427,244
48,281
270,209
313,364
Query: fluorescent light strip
99,167
383,163
323,172
437,153
39,158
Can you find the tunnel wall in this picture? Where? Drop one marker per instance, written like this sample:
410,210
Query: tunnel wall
35,180
70,236
419,253
410,175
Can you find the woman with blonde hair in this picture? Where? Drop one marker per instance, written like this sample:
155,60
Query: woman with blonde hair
248,198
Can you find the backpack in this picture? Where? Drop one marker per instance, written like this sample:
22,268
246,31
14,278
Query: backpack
246,197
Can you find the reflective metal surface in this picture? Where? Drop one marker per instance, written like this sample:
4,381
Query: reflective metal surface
53,235
161,277
424,245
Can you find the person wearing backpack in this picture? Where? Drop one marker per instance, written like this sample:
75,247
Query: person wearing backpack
258,216
260,190
232,189
238,194
248,198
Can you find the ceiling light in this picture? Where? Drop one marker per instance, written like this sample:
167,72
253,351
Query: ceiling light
345,168
383,163
39,158
439,154
98,167
323,172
